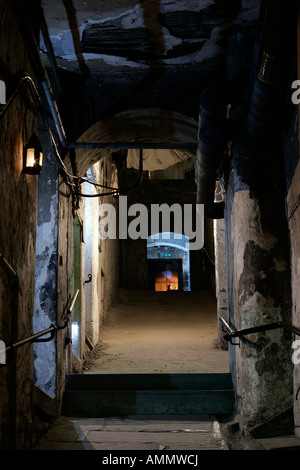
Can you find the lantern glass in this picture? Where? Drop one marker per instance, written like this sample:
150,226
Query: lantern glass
30,158
33,157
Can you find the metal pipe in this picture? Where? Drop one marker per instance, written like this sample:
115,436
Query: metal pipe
226,325
274,25
291,328
234,333
49,50
72,302
256,329
55,113
217,129
133,145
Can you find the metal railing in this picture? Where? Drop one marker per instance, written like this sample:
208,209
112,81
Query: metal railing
232,332
36,338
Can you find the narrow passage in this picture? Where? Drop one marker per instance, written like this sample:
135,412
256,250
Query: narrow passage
159,332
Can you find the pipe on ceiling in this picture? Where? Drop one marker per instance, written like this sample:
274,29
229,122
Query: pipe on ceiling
274,26
217,129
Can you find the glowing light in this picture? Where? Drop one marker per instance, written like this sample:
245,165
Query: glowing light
32,157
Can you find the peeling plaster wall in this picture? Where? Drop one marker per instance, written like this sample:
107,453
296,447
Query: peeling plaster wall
45,305
156,25
258,271
53,279
258,262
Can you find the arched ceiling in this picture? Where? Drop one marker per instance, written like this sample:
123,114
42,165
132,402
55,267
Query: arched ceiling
122,55
142,125
136,33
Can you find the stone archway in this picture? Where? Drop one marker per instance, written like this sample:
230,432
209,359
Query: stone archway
151,126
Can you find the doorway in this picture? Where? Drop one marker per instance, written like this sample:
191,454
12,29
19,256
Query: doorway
168,262
165,276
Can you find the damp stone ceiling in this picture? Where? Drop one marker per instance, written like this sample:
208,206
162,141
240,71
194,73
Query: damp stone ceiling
138,34
147,53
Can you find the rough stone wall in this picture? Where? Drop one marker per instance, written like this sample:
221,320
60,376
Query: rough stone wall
109,261
221,277
259,279
293,216
257,253
17,240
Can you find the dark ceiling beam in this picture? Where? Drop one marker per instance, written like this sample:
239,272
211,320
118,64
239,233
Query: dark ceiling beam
134,145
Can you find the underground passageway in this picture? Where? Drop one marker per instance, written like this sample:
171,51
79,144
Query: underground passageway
159,332
149,120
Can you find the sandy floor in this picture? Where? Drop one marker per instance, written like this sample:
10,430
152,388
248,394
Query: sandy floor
153,332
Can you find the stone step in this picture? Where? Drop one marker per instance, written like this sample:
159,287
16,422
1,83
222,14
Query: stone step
97,395
220,381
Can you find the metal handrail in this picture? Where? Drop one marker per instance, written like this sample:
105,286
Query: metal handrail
234,333
34,338
52,329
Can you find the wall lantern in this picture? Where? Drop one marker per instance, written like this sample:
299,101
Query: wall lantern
32,156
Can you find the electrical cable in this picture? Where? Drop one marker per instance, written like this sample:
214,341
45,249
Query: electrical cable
210,259
22,81
25,78
117,191
114,191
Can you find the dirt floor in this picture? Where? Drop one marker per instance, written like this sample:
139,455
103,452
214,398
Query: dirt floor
159,332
